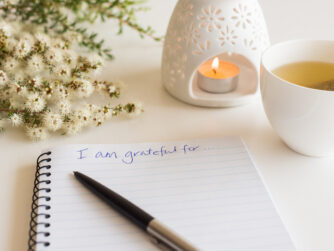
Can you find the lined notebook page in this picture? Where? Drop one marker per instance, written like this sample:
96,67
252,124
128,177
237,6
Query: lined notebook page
208,191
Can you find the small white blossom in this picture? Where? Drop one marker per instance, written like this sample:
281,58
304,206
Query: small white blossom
138,109
58,43
85,88
6,29
29,38
54,56
53,121
70,57
63,71
36,81
96,62
37,133
19,76
35,103
3,78
10,64
22,91
83,6
22,49
101,87
73,127
60,92
35,63
43,38
64,106
13,2
112,89
11,44
72,36
83,115
16,119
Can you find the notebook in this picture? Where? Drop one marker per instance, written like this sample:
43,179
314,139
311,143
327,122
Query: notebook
209,191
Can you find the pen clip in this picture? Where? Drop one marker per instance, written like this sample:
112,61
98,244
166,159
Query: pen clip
160,244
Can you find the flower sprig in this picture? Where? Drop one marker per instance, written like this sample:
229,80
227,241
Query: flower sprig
43,83
62,16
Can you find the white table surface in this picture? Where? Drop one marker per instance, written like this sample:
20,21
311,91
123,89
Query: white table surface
302,187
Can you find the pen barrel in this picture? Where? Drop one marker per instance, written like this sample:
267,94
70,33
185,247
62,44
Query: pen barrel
168,237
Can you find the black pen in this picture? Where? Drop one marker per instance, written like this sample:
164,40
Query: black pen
162,236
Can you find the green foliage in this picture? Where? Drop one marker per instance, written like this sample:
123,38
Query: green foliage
62,16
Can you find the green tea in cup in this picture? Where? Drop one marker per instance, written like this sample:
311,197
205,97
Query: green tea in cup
312,74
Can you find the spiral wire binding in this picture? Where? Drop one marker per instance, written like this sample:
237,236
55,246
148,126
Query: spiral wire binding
41,184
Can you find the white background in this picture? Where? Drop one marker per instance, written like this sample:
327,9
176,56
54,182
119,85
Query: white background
302,187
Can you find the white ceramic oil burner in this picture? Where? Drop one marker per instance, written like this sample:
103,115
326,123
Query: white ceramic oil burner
204,32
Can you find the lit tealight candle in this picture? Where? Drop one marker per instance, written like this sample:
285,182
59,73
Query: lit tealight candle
218,76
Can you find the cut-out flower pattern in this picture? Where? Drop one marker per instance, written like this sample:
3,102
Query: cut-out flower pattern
242,16
186,11
201,47
191,35
227,36
250,44
176,69
210,18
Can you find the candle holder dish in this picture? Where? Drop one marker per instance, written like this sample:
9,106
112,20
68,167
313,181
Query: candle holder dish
232,30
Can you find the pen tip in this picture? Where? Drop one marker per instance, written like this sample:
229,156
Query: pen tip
75,173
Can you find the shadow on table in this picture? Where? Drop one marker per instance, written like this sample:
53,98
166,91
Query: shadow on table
21,206
146,85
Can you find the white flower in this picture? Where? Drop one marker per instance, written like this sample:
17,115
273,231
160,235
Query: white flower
96,63
43,38
70,57
35,103
64,106
58,43
22,49
6,29
13,2
37,133
3,78
10,64
19,76
72,36
96,59
54,56
35,63
73,127
36,81
16,119
101,86
11,44
60,92
62,70
83,115
138,109
83,6
53,121
22,91
28,37
85,88
111,89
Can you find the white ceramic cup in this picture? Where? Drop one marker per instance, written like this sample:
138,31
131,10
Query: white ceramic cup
303,117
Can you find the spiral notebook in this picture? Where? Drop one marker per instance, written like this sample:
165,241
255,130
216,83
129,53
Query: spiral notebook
209,191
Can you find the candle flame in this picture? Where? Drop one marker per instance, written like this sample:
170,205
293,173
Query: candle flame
215,64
